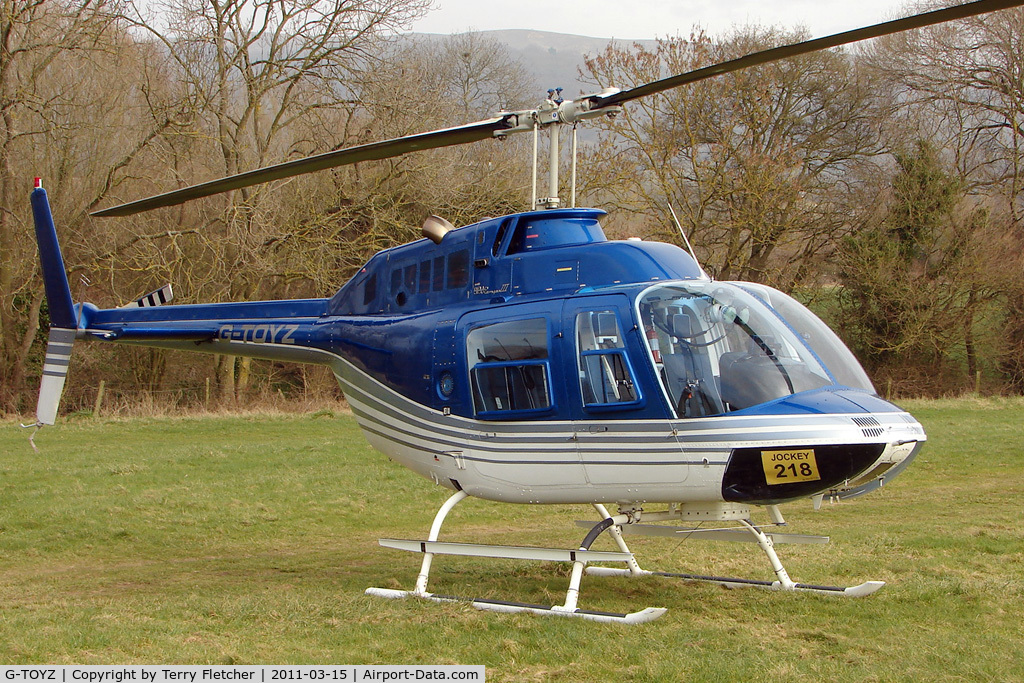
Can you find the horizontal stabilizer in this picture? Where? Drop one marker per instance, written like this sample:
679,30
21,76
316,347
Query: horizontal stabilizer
158,297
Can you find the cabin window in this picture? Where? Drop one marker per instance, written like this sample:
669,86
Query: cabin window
509,368
425,280
439,273
718,348
396,281
370,289
410,278
606,378
548,233
458,269
502,230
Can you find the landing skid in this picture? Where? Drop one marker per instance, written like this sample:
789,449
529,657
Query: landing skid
747,532
641,617
578,557
859,591
623,523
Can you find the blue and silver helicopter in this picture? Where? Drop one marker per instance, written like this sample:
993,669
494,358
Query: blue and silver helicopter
529,359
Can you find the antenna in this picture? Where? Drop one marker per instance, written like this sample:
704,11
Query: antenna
689,247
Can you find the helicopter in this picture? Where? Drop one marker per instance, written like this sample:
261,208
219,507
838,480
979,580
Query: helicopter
529,359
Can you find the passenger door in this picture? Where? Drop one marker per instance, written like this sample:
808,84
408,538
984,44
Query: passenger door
515,373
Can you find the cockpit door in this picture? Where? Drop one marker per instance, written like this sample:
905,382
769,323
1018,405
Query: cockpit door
620,418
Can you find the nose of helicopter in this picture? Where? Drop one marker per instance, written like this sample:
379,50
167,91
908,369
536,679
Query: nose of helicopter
828,400
843,443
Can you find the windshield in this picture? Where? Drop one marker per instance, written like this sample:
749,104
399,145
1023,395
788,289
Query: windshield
825,343
719,347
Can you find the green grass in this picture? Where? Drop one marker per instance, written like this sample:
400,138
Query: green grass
251,540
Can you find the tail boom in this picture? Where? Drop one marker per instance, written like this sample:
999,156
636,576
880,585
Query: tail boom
278,330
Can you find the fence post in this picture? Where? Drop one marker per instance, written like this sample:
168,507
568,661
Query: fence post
99,398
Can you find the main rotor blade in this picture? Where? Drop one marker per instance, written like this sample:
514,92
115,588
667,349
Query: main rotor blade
471,132
969,9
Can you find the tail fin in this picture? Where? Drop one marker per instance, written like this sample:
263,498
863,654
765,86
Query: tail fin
63,320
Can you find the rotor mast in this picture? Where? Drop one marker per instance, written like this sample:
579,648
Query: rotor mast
550,108
552,201
553,113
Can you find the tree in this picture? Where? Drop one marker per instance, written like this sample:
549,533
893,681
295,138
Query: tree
915,282
964,80
342,217
963,83
252,72
69,77
755,161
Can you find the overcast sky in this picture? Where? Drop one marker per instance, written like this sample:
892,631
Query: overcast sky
640,19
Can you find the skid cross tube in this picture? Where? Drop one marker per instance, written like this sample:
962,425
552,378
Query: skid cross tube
573,593
615,531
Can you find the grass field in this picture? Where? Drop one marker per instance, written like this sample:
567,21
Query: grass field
251,540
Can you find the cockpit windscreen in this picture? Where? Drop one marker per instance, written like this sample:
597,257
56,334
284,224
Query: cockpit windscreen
718,348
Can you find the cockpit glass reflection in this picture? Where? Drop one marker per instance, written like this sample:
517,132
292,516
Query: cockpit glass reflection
718,348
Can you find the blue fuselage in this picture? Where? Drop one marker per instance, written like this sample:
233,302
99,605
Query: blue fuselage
529,359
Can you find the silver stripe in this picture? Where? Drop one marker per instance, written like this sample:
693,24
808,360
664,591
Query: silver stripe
587,450
693,431
710,433
593,444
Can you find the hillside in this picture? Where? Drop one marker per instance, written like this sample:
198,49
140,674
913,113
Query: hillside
555,59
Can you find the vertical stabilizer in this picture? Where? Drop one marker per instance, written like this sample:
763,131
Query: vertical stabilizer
58,293
63,321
